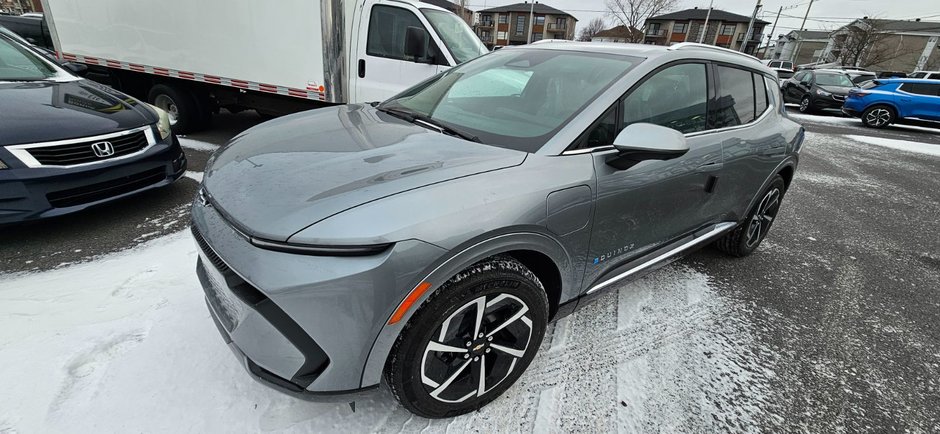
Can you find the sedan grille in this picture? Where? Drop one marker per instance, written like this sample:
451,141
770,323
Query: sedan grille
103,190
84,152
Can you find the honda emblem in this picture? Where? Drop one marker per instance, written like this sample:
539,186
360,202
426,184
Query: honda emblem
103,149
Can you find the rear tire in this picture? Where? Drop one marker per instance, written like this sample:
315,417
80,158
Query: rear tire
184,111
435,366
806,104
878,116
745,238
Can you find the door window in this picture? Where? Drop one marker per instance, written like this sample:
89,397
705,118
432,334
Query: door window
921,88
760,92
674,97
602,133
801,76
735,102
387,27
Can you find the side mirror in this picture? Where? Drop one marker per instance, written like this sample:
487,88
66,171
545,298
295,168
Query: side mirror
77,68
641,141
416,43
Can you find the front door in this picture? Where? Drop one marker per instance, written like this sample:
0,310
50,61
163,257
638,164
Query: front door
645,206
382,68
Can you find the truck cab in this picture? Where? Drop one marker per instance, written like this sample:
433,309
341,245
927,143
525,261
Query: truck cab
401,43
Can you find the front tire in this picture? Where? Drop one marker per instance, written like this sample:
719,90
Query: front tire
878,116
745,238
470,341
806,104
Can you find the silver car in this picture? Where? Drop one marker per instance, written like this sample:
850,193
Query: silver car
429,239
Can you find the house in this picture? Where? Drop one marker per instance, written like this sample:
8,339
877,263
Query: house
885,45
800,46
618,34
509,25
725,29
460,11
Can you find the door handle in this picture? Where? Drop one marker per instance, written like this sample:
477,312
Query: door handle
362,68
714,166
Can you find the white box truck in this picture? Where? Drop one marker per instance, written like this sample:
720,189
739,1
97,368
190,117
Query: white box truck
193,57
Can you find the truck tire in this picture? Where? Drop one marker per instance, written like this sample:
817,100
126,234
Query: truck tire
184,111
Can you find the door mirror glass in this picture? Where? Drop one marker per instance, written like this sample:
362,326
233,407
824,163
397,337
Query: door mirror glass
642,141
416,44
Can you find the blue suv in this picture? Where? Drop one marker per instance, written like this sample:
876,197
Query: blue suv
880,103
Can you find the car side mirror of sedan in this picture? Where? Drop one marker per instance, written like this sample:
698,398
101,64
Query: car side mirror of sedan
642,141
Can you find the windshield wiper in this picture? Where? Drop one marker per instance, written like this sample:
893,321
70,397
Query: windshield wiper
412,116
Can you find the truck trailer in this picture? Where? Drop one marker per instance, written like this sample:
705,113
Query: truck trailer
191,58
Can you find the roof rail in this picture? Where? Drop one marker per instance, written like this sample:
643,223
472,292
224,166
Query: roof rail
545,41
682,45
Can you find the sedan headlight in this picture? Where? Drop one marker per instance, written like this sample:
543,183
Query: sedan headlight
823,93
163,123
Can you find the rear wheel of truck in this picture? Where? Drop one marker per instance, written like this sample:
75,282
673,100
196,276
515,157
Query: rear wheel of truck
185,113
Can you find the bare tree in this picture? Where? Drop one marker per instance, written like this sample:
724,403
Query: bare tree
868,42
592,28
632,13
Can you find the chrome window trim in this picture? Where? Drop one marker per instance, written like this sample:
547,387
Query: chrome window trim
21,152
763,115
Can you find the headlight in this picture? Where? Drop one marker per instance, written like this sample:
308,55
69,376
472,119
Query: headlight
822,92
163,124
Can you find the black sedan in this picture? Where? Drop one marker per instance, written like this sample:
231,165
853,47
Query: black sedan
818,89
67,143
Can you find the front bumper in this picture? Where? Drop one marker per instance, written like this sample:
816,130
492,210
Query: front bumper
28,194
302,324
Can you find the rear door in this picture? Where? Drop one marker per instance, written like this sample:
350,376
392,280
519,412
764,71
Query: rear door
920,100
382,68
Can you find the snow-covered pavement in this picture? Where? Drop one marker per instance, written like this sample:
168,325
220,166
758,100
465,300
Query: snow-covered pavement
125,344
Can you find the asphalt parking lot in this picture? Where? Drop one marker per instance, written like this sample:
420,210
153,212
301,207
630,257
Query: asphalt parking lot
832,325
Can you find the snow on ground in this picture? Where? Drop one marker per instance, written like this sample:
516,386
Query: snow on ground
902,145
851,122
197,145
125,343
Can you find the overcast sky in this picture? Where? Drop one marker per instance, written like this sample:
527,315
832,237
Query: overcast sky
825,14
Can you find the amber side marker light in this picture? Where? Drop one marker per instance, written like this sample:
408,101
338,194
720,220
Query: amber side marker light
412,297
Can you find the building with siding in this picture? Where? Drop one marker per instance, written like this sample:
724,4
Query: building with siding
509,25
725,29
618,34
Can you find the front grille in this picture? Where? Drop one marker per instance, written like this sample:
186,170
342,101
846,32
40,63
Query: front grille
104,190
82,152
839,97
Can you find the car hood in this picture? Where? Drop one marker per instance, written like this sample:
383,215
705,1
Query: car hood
33,112
838,90
287,174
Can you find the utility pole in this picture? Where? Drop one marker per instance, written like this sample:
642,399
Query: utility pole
803,24
705,27
772,30
750,28
531,21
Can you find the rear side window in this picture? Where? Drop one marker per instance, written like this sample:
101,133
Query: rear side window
674,97
921,88
774,64
801,76
760,95
735,102
935,76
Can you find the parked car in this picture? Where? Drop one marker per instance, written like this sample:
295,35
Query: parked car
31,28
783,74
780,64
892,74
859,77
432,237
817,89
67,144
931,75
882,102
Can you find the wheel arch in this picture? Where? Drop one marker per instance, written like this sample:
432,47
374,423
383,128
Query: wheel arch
541,253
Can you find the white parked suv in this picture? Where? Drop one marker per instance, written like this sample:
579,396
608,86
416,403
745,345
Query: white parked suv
931,75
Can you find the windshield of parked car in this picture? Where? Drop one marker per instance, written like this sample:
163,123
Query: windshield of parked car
19,64
823,79
514,98
462,43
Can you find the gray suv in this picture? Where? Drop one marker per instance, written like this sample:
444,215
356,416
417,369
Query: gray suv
428,240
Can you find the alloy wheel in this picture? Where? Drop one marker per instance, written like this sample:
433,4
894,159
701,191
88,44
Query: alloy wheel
169,106
763,217
878,117
804,105
476,348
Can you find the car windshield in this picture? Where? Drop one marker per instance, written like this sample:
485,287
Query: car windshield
514,98
463,44
20,64
833,80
